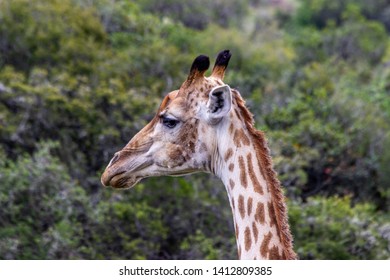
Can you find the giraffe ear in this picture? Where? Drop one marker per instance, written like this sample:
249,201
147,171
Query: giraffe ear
219,103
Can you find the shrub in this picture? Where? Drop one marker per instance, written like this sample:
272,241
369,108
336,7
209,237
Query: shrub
42,208
333,229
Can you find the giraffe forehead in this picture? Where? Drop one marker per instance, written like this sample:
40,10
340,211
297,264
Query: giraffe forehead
201,89
177,107
184,103
182,108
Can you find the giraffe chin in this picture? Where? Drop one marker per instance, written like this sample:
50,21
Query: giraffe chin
124,182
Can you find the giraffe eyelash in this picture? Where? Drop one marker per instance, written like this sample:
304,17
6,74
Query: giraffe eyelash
168,122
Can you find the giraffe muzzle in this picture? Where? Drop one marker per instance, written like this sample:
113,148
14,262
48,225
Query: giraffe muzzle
125,172
120,180
107,178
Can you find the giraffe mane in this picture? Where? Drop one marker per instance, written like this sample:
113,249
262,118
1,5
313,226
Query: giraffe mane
263,154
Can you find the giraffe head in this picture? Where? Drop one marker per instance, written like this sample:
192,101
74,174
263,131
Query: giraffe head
182,137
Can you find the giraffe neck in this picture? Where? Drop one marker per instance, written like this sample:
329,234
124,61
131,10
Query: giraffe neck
257,203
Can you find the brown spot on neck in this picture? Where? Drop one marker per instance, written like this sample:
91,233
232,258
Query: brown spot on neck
241,207
236,140
260,214
240,137
247,239
252,175
244,138
249,205
228,154
264,245
243,179
231,167
272,217
274,254
238,114
255,231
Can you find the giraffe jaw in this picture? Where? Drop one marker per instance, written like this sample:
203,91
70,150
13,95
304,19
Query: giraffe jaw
125,176
123,182
128,179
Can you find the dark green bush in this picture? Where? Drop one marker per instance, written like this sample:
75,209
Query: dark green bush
27,40
42,208
320,13
330,228
198,13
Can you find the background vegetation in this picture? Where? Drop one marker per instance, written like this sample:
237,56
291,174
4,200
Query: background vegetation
78,78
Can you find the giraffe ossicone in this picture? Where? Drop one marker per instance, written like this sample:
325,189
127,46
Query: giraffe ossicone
205,126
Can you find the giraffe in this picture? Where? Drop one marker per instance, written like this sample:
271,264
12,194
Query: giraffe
205,126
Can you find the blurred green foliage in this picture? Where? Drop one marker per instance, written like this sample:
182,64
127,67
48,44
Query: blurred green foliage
42,208
344,232
78,78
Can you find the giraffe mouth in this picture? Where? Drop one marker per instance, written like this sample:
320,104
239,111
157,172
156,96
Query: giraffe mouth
124,179
123,182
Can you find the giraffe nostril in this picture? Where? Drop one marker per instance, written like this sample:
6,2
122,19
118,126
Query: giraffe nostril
114,159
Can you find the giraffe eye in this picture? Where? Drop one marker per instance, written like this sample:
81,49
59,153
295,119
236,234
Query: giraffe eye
168,122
